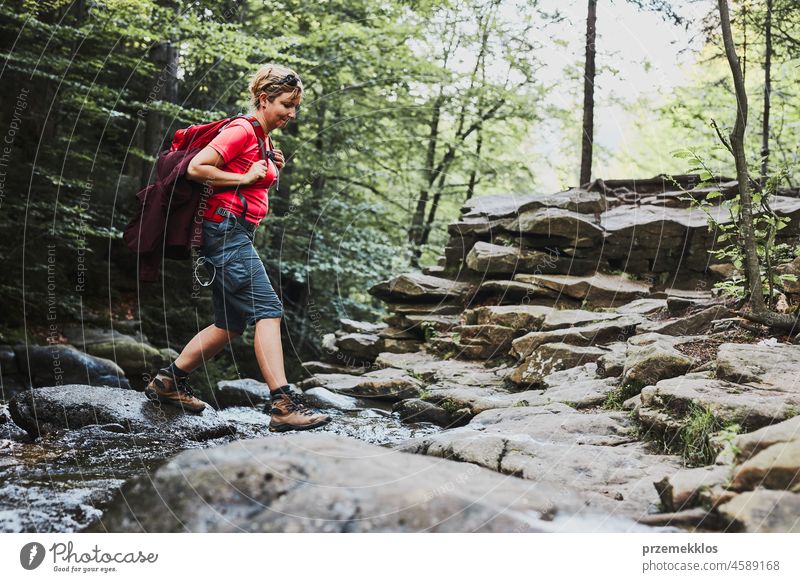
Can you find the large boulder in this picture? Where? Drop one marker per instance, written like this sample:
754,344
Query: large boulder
51,409
595,453
241,392
63,364
326,483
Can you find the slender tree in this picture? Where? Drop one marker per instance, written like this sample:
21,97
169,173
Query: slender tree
767,90
759,311
588,94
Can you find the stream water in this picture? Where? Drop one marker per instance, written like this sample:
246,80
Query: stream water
63,482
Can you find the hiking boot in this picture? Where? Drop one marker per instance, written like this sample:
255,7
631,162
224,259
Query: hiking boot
290,413
164,388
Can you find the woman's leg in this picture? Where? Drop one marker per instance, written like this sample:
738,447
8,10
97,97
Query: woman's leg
269,351
204,346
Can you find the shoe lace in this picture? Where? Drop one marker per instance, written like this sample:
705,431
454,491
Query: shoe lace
183,386
296,404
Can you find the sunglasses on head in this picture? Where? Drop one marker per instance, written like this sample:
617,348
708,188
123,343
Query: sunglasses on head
290,80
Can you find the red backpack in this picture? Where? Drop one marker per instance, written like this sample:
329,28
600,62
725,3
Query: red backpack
167,222
199,136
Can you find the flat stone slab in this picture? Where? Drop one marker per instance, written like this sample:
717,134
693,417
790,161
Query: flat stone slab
665,405
600,289
46,410
578,387
419,287
325,483
597,333
764,511
490,258
517,317
387,384
432,370
594,453
771,367
477,399
646,306
694,324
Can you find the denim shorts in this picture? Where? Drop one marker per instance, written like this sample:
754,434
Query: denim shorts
241,290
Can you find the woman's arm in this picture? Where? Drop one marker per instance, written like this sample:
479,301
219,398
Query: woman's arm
204,168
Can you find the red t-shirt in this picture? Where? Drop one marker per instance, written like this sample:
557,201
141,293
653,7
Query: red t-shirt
238,146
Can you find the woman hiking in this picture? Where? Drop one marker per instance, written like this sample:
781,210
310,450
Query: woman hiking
234,165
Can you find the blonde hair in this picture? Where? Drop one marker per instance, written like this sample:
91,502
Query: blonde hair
267,80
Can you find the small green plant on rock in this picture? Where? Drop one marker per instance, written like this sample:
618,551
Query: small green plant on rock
695,437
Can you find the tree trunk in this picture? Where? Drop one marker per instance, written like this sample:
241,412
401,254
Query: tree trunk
588,95
164,88
415,232
473,175
737,145
767,90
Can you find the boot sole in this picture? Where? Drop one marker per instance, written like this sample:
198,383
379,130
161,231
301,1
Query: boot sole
286,427
153,396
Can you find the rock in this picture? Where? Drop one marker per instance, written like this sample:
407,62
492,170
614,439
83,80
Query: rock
324,398
696,323
47,410
763,511
612,364
456,398
360,346
557,222
600,290
424,308
776,467
395,333
516,292
241,392
578,387
791,268
549,358
483,342
692,519
516,317
652,357
591,334
489,258
751,443
665,406
765,367
682,489
434,370
645,306
325,483
326,368
417,410
563,318
401,346
62,364
508,205
594,453
386,384
352,326
418,287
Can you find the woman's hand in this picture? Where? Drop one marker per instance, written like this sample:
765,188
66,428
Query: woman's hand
279,161
257,171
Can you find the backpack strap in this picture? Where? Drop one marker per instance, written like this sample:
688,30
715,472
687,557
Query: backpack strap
262,148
